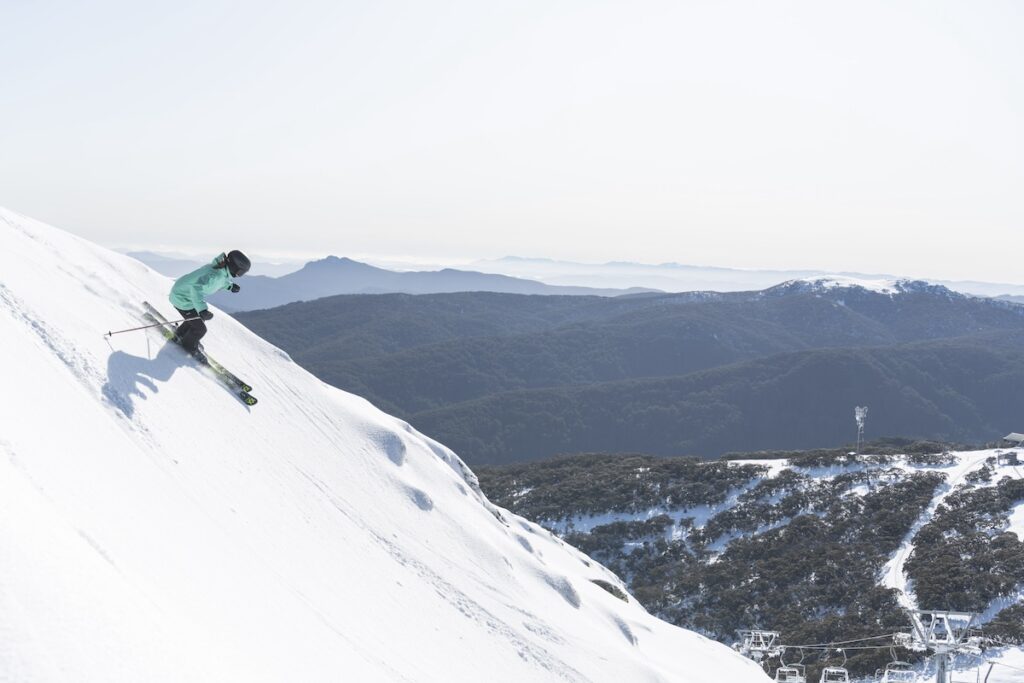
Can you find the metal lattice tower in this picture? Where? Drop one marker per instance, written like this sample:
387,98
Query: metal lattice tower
759,645
944,632
860,413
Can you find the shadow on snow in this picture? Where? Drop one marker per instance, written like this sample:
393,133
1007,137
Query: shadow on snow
127,374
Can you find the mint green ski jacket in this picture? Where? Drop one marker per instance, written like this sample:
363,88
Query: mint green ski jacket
190,291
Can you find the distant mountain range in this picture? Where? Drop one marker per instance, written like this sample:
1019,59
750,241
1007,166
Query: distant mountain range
332,276
678,277
511,378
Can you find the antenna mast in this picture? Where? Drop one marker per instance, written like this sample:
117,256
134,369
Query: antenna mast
860,413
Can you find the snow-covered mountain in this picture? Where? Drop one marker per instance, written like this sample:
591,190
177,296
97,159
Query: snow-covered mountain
837,284
153,528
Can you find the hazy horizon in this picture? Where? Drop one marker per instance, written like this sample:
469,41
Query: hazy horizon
876,137
594,274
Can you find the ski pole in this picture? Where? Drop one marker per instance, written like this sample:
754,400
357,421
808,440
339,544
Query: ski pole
144,327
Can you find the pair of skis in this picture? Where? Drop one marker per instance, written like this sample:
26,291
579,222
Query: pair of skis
238,387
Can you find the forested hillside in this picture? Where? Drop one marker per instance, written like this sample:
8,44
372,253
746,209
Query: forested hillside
822,546
506,377
966,389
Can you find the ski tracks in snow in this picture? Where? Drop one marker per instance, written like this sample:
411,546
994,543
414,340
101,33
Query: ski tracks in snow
83,369
79,365
894,575
459,600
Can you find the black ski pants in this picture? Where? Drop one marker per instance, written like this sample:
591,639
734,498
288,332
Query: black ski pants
192,330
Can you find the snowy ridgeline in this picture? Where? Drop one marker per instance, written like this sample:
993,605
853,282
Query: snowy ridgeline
153,528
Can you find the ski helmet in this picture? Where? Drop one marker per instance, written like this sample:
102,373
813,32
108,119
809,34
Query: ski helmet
238,263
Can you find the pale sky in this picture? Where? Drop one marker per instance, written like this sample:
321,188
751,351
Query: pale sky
878,136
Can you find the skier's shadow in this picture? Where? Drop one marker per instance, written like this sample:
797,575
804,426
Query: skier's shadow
127,374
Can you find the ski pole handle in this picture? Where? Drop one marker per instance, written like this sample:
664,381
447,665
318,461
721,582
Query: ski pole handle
108,335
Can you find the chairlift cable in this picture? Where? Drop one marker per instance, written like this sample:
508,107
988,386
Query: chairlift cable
844,642
857,647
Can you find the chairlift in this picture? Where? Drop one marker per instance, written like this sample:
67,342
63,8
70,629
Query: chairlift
791,673
975,642
904,640
758,645
835,674
941,630
899,672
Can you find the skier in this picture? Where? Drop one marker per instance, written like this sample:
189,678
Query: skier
189,293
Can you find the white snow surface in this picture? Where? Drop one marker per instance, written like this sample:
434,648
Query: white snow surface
1017,520
153,528
997,665
879,285
1009,667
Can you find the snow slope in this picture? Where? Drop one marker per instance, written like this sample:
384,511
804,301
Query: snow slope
1008,667
1007,664
894,574
153,528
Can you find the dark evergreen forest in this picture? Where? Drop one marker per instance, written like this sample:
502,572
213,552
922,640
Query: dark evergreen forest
505,378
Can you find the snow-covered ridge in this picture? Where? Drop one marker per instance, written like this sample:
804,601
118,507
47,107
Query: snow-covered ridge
153,528
881,285
888,286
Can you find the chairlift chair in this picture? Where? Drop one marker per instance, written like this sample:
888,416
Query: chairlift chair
834,674
792,673
899,672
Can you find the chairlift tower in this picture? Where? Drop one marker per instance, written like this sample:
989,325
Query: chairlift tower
944,632
759,645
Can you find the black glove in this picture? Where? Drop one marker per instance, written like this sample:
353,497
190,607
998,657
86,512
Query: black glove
205,315
234,288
